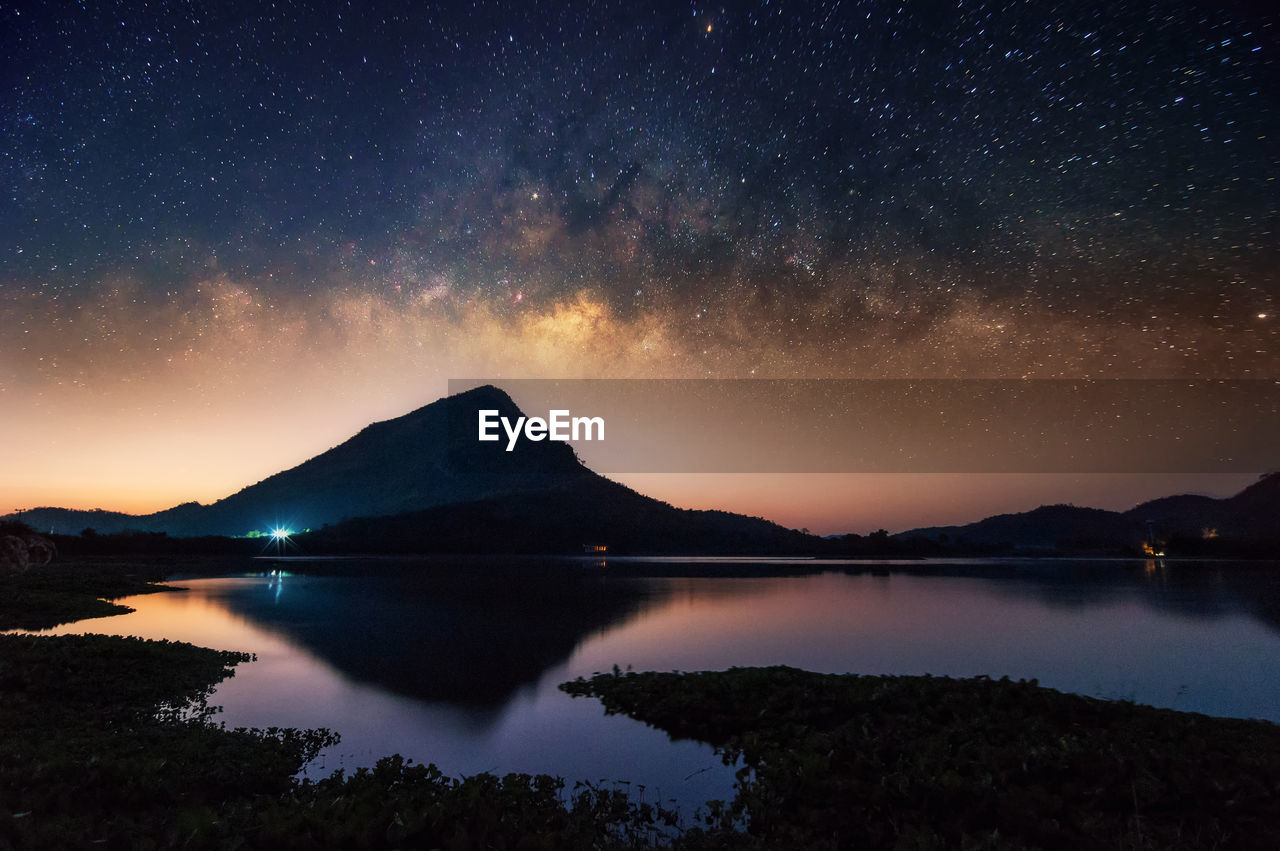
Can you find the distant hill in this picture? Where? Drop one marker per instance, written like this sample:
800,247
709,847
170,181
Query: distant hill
1253,515
70,521
1046,527
425,458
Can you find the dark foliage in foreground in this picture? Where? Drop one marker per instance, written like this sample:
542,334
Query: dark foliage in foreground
97,749
921,762
99,746
397,804
106,742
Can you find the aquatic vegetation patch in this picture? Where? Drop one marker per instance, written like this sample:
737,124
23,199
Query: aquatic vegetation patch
397,804
65,592
846,761
106,740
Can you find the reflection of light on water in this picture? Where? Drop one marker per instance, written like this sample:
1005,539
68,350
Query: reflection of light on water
275,580
1155,569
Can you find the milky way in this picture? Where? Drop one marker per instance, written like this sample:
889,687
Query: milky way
222,219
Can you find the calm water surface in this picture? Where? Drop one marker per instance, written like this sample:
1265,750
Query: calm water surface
457,664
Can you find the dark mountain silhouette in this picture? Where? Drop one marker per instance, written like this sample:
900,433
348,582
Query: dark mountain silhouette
1257,504
424,483
1046,527
427,457
1253,515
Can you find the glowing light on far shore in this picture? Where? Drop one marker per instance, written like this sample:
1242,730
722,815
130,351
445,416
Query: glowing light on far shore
280,533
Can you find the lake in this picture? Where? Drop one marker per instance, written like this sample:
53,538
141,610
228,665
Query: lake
457,663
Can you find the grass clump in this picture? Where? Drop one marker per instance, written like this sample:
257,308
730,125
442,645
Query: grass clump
844,761
54,594
397,804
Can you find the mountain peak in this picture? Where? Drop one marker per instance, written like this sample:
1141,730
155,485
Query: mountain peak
430,456
459,406
427,457
483,394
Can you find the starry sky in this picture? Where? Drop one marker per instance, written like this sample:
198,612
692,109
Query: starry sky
234,233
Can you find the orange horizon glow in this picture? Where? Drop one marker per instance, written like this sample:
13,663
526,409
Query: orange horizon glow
238,386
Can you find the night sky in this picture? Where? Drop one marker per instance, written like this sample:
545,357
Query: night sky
235,233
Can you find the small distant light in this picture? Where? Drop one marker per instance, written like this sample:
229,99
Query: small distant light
1262,316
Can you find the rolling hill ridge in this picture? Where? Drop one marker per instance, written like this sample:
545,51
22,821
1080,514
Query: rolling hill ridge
1251,515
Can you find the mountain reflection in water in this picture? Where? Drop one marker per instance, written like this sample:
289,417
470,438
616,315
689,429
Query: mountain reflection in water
469,635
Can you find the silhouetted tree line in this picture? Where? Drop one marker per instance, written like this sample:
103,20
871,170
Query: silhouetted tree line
536,524
90,543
